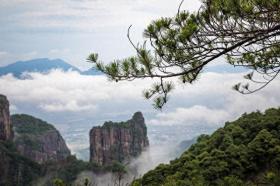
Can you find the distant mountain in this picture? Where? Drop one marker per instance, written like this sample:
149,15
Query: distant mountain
91,72
185,145
42,65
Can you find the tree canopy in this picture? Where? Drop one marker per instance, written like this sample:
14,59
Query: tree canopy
243,32
245,152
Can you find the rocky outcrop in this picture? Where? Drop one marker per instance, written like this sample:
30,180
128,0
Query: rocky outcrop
14,168
38,140
5,122
118,141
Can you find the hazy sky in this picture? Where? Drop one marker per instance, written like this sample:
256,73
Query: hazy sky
71,29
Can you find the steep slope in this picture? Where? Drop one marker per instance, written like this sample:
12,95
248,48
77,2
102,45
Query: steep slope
246,151
6,132
118,141
38,140
14,168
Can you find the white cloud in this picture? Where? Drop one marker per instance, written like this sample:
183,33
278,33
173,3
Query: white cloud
210,101
3,54
59,52
80,102
197,114
67,91
13,108
3,57
29,55
90,15
8,57
71,106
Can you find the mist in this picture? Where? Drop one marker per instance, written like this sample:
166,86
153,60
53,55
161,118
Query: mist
137,167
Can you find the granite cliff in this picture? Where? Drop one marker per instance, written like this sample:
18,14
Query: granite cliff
14,168
6,132
118,141
33,150
38,140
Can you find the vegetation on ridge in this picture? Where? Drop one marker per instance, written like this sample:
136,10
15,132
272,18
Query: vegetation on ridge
26,124
243,152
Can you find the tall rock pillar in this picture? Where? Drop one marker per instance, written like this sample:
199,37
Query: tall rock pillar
118,141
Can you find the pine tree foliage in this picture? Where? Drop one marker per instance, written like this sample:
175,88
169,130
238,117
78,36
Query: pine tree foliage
243,32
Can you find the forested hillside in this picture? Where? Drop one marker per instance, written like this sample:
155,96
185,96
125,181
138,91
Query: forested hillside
243,152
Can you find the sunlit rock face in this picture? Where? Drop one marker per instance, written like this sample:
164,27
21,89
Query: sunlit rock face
6,132
118,141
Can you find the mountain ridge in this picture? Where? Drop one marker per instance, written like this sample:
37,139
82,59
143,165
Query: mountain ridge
42,65
243,152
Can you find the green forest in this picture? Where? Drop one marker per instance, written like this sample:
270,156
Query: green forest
243,152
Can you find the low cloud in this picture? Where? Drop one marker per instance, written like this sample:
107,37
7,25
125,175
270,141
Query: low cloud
74,103
71,106
3,54
190,116
67,91
210,101
59,52
8,57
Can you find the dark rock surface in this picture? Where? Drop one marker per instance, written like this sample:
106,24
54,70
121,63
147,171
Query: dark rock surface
15,170
118,141
6,132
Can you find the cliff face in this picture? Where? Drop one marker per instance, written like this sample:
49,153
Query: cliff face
38,140
118,141
5,122
16,169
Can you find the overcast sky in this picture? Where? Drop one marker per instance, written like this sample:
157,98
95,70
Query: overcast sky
71,29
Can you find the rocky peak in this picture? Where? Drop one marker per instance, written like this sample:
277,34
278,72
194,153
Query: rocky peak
138,117
118,141
138,120
6,132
